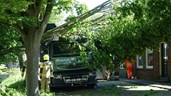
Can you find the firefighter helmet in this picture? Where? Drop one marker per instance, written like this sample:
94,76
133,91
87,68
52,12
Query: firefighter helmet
46,57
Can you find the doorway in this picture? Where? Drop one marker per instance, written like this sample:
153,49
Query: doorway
164,60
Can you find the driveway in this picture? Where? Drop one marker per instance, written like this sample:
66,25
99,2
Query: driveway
115,88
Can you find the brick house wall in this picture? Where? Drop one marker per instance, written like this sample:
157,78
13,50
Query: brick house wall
169,61
149,74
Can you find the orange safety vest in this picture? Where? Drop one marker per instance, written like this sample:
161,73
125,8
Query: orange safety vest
129,66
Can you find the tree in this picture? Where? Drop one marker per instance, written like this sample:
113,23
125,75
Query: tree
29,18
131,27
152,21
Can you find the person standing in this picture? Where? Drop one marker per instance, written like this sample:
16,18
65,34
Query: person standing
45,69
107,74
129,65
23,68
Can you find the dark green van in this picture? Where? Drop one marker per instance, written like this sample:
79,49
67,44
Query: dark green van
67,68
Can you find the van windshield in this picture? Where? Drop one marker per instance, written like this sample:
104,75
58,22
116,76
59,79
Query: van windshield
65,49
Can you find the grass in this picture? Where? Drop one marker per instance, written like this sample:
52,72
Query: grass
14,86
111,91
150,92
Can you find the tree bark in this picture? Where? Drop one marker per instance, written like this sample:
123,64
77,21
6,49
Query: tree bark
32,38
32,45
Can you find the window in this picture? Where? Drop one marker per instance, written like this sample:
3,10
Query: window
139,62
149,58
65,49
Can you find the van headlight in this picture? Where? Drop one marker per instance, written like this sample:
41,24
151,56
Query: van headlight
92,73
58,76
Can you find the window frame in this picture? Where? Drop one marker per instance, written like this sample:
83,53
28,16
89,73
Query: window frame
139,66
146,59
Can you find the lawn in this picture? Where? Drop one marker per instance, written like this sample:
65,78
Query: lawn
13,85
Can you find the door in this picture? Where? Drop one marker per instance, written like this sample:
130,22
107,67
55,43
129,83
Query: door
164,59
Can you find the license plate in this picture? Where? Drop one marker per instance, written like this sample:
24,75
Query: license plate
75,80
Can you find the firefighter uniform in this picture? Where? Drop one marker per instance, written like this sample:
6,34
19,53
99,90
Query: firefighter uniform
45,69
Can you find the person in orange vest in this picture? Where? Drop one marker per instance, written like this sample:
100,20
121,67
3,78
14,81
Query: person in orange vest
129,65
45,71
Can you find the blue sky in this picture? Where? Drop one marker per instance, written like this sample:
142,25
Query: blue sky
92,3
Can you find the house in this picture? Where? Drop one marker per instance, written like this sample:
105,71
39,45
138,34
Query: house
155,64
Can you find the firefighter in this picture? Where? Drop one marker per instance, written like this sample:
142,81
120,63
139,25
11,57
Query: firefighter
45,69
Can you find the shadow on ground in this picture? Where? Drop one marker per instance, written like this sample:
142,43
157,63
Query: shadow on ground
108,89
19,86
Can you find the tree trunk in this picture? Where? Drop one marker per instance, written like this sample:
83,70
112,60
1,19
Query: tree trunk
32,38
32,44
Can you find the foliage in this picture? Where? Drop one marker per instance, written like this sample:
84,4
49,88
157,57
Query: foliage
130,28
72,10
79,7
9,39
10,12
29,18
76,10
151,22
133,26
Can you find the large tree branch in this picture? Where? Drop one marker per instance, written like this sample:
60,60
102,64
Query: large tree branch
67,26
11,50
35,8
46,17
38,5
18,29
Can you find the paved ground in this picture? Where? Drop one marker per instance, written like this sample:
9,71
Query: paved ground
123,87
135,87
166,86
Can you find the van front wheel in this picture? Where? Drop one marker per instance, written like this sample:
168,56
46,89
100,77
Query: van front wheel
91,85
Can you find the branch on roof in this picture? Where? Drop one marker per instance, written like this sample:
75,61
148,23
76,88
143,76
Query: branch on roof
62,29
